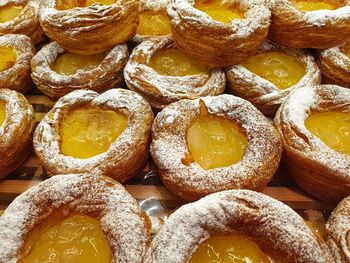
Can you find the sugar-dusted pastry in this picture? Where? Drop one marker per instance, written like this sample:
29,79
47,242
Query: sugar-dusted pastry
21,17
16,129
89,26
314,123
88,132
267,78
219,32
74,218
57,72
16,51
212,144
310,23
236,226
163,74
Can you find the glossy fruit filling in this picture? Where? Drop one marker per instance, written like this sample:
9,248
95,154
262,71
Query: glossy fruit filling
313,5
9,12
2,112
8,57
69,4
153,24
219,10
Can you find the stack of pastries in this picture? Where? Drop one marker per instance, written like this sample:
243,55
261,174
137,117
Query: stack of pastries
217,92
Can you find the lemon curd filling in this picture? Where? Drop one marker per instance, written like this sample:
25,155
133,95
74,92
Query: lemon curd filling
333,128
281,69
172,62
2,112
69,4
8,57
313,5
9,12
90,130
219,10
77,238
69,64
153,24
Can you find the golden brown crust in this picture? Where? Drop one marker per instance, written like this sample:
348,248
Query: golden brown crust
18,76
90,30
316,168
16,132
318,29
215,43
265,95
160,90
188,179
106,76
127,155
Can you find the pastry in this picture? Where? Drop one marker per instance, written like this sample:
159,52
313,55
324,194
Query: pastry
335,65
236,226
74,218
212,144
16,129
16,51
85,132
89,26
219,32
21,17
266,78
315,129
310,23
57,72
163,74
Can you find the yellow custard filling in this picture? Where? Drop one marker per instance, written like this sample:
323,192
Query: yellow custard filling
73,239
9,12
229,249
281,69
153,24
90,130
69,4
2,112
172,62
333,128
8,57
313,5
219,10
69,64
345,51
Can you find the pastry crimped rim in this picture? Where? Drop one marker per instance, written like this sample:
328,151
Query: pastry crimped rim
318,169
125,156
26,23
319,29
161,90
16,131
90,30
188,179
18,76
107,75
125,226
265,95
216,43
261,217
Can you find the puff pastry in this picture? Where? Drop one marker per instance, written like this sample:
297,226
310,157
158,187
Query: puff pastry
16,129
321,28
176,164
160,90
265,94
121,220
108,74
89,29
316,167
216,43
275,227
16,51
115,155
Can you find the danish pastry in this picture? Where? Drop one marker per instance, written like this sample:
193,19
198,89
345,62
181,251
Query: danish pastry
309,23
212,144
57,72
163,74
268,77
16,51
85,131
74,218
217,32
89,26
236,226
314,125
16,129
